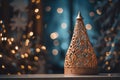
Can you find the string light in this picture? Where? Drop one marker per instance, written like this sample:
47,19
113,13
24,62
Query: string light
26,55
31,33
12,39
33,1
37,1
107,53
22,56
108,68
36,58
19,73
36,10
113,45
16,47
0,34
3,66
29,67
38,17
1,21
4,31
1,55
106,62
37,50
22,66
3,26
13,51
27,42
4,38
43,47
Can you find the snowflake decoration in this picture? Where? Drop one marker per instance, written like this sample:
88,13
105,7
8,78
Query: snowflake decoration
18,23
19,5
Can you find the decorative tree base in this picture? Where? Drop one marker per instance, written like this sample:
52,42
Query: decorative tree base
80,71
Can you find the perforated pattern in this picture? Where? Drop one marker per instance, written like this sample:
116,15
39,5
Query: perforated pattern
80,52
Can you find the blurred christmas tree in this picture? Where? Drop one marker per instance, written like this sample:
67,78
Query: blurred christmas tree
20,49
108,25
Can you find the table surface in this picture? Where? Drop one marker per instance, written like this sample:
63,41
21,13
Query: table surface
101,76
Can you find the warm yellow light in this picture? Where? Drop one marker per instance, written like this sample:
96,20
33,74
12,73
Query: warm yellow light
16,47
9,42
88,26
24,36
36,10
38,17
4,31
60,10
22,66
22,56
26,55
64,25
2,38
19,73
108,53
5,38
36,58
1,55
0,34
27,42
12,39
1,21
108,68
43,47
37,50
113,44
106,62
3,26
3,66
8,73
55,52
33,1
98,12
29,67
54,35
37,1
31,33
13,51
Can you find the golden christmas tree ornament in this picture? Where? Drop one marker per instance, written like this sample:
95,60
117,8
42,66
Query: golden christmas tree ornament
80,58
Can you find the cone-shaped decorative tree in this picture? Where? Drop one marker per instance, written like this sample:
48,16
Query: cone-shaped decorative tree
80,58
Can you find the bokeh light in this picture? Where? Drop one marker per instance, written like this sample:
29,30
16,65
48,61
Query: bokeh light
37,16
48,8
88,26
98,12
59,10
64,25
36,10
56,43
1,55
54,52
54,35
37,50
